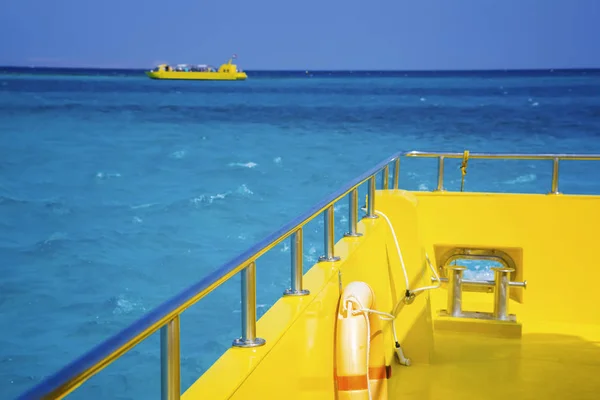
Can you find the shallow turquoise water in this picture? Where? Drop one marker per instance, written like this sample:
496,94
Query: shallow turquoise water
117,192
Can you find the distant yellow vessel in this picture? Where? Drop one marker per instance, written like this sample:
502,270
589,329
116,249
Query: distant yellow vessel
202,72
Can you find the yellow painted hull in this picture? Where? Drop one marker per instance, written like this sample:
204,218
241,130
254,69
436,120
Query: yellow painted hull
197,76
552,351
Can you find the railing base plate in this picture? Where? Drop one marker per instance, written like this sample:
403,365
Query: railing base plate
348,234
327,259
256,342
292,292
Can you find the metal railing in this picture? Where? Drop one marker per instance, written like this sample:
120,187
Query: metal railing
554,157
166,317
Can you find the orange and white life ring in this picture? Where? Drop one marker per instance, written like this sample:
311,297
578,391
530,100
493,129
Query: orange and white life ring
360,370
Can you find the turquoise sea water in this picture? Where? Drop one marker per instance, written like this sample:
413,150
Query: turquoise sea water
117,192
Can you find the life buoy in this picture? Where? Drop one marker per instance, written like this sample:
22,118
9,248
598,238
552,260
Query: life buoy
360,370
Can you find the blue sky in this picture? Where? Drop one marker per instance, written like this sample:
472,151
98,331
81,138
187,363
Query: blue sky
308,34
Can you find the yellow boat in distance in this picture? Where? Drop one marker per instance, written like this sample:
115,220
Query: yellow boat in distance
202,72
388,313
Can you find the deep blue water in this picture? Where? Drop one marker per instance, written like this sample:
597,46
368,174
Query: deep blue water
117,191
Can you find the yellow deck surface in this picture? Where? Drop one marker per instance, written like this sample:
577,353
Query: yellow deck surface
537,366
551,352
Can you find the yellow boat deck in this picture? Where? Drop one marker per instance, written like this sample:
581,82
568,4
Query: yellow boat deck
537,366
532,332
557,353
553,348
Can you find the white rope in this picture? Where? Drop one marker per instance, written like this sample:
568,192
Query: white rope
408,291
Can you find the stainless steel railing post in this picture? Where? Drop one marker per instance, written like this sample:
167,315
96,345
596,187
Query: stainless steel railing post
371,199
385,176
455,274
296,250
501,292
170,370
440,185
248,338
329,240
554,189
353,214
396,172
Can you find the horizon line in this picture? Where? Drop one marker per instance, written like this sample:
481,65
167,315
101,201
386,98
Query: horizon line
322,70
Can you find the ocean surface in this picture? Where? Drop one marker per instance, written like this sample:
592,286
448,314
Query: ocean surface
117,192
